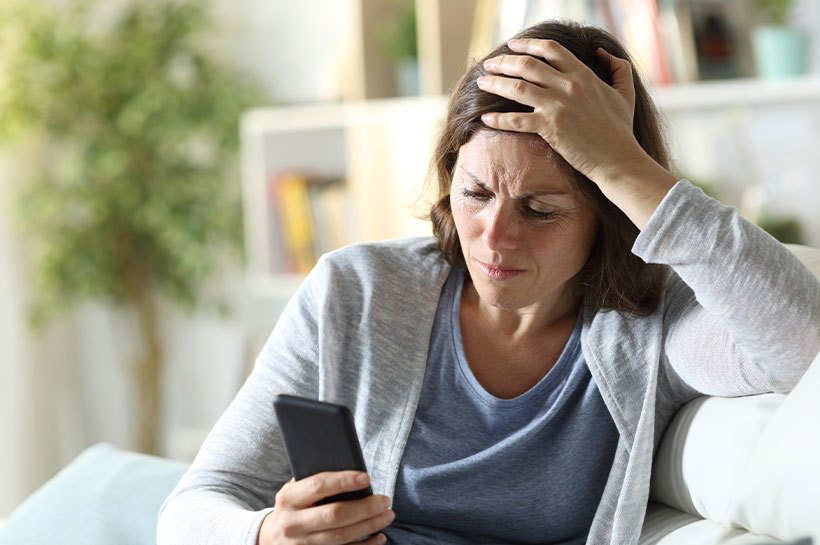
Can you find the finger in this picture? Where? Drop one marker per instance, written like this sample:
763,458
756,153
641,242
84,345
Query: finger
378,539
512,121
342,514
349,534
306,492
518,90
524,66
554,53
621,70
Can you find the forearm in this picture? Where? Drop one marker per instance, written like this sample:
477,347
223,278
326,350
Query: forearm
231,485
757,291
228,488
203,516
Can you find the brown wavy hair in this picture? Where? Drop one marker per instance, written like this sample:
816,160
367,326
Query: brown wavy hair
613,277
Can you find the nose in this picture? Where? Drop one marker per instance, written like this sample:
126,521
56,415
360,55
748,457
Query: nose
500,229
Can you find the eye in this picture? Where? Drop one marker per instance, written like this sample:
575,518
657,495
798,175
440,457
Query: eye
538,214
482,197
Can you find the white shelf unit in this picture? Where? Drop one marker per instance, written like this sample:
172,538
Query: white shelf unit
379,147
738,93
306,138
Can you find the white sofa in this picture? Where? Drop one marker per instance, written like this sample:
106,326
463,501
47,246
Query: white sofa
742,471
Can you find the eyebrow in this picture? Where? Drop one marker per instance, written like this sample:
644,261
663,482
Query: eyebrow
485,187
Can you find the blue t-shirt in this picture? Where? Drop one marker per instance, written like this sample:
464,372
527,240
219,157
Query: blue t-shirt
478,469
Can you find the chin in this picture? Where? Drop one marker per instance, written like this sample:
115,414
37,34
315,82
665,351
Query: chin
504,299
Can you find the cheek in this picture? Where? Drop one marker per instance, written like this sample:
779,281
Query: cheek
464,216
570,242
585,241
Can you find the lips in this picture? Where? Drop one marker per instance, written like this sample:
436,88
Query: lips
498,272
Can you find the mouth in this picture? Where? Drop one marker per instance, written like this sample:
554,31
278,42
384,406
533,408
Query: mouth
498,272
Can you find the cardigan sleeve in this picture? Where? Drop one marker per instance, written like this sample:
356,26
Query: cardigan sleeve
742,313
231,485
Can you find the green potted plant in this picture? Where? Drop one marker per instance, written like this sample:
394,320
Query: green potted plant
131,200
780,50
400,45
787,230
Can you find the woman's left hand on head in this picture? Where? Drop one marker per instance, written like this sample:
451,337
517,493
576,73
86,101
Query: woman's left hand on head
580,116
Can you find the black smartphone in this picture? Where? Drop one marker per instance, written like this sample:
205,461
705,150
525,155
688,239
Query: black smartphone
319,437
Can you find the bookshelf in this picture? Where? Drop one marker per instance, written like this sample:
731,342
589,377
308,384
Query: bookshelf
378,149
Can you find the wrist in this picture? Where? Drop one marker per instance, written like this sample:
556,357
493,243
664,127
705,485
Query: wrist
264,537
632,166
636,185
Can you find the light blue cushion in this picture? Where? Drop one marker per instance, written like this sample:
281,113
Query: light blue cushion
104,496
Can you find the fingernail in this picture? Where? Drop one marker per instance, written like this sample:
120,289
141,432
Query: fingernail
485,118
490,64
514,41
382,539
362,479
389,515
385,502
482,80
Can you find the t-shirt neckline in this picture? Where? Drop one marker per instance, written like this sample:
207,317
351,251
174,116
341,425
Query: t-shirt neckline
547,382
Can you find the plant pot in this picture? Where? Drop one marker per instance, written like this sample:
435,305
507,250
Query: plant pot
407,77
780,51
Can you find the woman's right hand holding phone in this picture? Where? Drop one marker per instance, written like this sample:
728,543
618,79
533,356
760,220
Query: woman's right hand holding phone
296,519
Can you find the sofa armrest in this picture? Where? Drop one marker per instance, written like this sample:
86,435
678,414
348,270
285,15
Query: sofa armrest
701,460
748,462
104,496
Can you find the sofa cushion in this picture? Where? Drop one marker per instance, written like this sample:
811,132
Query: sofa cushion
779,489
104,496
749,462
808,255
700,462
667,526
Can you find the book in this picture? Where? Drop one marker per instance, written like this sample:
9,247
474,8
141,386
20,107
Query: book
274,236
678,35
297,223
308,216
636,23
333,216
638,28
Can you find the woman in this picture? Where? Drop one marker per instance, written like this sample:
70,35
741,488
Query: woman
511,378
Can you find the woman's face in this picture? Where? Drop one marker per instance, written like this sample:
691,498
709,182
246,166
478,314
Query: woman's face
524,230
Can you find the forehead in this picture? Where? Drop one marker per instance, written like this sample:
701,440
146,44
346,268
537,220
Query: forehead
495,156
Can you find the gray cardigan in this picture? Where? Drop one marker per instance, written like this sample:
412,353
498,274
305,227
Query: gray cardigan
739,315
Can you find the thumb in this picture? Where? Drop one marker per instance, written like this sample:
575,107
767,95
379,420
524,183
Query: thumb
621,70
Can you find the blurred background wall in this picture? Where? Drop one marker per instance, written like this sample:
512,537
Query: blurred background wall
66,388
